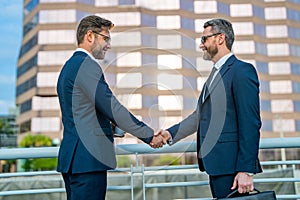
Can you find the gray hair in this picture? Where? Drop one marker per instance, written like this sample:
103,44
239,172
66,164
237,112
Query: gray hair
222,26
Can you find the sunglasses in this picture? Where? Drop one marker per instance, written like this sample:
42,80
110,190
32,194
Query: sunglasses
106,38
204,38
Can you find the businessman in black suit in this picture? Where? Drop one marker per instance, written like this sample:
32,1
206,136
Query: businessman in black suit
88,107
227,117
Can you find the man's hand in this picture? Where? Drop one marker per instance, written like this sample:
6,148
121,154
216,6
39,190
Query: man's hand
157,141
160,138
244,183
165,134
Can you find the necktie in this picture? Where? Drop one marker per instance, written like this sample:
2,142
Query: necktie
211,75
208,82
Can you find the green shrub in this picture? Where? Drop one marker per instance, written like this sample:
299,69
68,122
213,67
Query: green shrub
38,164
166,160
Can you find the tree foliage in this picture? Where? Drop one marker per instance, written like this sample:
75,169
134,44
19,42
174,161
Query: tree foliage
5,127
124,161
38,164
36,141
166,160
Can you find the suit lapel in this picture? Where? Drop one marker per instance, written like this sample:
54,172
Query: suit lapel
218,77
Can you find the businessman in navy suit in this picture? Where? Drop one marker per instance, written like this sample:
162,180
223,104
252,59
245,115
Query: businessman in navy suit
227,117
88,108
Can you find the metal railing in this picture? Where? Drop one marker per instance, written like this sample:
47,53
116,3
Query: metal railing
137,149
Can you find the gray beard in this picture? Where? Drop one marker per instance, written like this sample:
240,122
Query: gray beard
206,56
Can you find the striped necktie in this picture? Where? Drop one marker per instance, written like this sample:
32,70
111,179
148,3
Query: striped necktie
208,82
210,77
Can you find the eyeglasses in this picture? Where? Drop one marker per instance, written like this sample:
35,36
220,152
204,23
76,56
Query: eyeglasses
106,38
204,38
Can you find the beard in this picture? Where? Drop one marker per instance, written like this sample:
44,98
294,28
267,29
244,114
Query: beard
98,52
210,53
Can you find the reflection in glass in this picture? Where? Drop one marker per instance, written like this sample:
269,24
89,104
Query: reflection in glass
170,102
169,82
129,80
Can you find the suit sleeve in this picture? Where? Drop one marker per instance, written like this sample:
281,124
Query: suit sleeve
246,97
93,84
186,127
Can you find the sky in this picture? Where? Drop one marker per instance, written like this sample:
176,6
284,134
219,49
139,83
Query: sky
11,17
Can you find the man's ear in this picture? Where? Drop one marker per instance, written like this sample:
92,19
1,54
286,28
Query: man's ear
222,39
90,36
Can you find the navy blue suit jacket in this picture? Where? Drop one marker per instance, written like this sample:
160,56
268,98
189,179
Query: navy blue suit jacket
227,121
88,107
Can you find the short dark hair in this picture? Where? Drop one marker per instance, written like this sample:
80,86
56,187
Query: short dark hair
222,26
94,23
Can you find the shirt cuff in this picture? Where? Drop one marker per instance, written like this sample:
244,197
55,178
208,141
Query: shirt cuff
249,174
170,141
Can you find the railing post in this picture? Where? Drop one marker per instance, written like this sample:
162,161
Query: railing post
136,159
294,176
131,182
143,181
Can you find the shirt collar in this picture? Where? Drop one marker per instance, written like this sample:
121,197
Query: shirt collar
221,62
88,53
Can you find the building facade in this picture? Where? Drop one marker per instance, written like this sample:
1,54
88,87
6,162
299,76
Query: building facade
155,66
8,130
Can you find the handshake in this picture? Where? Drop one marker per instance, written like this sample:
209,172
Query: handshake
160,138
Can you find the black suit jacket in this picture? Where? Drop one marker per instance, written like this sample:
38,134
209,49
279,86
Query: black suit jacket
227,121
88,106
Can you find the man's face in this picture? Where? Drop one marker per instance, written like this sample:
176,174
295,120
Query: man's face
101,44
209,44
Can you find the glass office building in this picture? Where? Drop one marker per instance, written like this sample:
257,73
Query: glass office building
155,66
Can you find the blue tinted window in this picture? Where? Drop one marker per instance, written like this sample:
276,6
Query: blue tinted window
261,48
297,122
28,45
30,6
294,50
262,67
25,126
265,105
27,65
223,8
294,32
259,29
24,87
126,2
91,2
189,62
187,23
258,12
296,87
297,106
81,14
31,24
293,14
295,68
148,59
187,42
25,106
264,86
148,20
149,40
267,125
187,5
